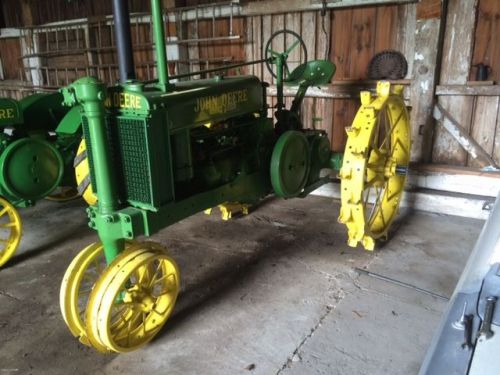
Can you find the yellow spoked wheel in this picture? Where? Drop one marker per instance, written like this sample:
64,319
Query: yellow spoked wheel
375,165
82,173
78,281
10,231
63,194
132,299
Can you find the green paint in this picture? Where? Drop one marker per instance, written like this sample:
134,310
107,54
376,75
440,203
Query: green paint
161,153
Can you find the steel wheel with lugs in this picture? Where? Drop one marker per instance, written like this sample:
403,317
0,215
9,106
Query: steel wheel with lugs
375,165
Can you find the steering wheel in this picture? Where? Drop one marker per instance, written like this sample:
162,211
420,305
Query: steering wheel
288,46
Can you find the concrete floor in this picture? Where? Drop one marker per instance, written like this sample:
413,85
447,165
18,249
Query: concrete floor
275,292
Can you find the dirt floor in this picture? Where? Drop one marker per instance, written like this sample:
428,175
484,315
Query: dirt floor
274,292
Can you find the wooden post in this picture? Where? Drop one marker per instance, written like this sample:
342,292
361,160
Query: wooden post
423,63
456,62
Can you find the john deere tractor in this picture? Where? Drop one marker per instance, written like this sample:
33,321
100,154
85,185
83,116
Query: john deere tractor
38,141
159,152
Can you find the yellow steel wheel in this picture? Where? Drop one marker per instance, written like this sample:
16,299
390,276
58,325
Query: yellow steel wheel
63,194
375,165
78,281
10,231
82,173
133,299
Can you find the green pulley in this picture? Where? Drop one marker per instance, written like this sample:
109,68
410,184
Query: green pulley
290,164
30,169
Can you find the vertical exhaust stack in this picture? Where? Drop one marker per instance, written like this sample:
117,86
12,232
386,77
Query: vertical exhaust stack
123,40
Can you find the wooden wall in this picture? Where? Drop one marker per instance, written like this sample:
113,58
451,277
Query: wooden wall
486,42
18,13
471,38
349,37
352,37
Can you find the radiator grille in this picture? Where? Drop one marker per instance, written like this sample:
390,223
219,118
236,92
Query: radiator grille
127,143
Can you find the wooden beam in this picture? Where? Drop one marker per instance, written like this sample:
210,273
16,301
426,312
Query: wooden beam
455,67
424,59
462,137
446,203
338,89
467,90
454,179
254,8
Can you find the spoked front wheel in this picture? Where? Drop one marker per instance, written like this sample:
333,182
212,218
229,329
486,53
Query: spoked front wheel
375,165
79,279
132,299
10,231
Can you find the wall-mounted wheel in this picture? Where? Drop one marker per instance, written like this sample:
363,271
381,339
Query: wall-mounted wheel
82,174
10,231
375,165
132,299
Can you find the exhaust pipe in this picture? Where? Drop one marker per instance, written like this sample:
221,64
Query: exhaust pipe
123,39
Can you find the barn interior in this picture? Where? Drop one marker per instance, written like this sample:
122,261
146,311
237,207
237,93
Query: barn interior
278,289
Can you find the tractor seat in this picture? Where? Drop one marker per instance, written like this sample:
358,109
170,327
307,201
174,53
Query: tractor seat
312,73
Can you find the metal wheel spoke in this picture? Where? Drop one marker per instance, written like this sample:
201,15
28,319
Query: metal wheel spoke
165,276
388,135
3,211
155,275
85,291
290,49
398,143
8,225
272,52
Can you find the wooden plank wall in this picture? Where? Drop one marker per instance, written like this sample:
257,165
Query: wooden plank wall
16,13
471,38
349,37
10,60
352,37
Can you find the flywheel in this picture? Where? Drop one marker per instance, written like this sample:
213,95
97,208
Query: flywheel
375,165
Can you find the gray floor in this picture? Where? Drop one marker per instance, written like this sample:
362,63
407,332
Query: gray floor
275,292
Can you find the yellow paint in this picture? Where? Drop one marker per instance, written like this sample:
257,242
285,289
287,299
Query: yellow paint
123,100
82,173
369,166
147,282
7,113
11,221
227,209
220,104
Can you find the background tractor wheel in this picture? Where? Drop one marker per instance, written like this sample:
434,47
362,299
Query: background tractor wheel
10,231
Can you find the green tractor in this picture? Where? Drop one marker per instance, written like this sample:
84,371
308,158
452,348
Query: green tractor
38,144
159,152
